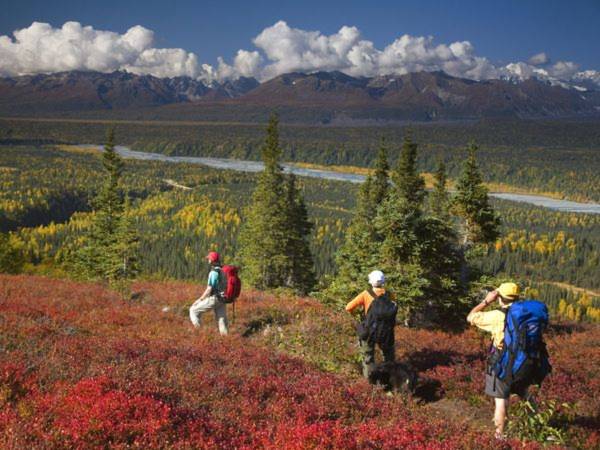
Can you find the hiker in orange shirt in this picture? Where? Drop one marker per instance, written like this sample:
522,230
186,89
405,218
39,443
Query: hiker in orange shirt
378,326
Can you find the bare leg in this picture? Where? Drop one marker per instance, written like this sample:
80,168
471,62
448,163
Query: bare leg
500,415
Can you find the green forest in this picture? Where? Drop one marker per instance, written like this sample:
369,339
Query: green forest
182,210
558,158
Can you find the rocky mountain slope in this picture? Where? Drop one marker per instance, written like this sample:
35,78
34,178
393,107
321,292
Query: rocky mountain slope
327,96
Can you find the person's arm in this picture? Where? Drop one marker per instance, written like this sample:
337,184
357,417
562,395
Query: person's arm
488,300
358,301
212,280
206,292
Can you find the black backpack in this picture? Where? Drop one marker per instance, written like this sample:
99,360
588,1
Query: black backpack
378,325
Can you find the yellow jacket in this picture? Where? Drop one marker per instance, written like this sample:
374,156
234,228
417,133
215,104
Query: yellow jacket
492,322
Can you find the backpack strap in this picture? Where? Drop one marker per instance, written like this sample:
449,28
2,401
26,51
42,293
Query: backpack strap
219,270
499,354
372,293
514,345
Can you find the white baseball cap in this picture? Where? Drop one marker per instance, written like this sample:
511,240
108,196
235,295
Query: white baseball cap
376,278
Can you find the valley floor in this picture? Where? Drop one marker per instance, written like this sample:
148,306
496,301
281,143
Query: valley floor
82,368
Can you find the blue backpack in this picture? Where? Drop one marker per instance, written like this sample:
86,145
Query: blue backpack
524,356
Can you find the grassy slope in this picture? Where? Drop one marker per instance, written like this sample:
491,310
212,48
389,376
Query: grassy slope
81,368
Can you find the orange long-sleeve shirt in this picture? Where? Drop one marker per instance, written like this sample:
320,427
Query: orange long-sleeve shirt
363,299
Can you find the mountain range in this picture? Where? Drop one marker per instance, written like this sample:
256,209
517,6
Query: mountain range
330,96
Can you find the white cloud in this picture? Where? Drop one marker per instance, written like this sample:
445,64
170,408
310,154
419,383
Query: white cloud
41,48
539,59
413,54
289,49
563,69
245,64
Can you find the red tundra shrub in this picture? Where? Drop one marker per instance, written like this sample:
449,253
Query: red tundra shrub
81,368
15,381
94,412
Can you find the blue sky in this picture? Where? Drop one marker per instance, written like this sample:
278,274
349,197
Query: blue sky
503,31
500,32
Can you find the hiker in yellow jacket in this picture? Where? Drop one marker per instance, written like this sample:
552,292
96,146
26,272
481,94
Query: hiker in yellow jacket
493,323
363,301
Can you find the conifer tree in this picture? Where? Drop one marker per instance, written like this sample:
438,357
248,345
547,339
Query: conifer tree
125,264
302,275
108,209
398,217
381,178
439,199
364,207
397,223
264,233
108,251
358,255
409,184
416,252
354,256
471,204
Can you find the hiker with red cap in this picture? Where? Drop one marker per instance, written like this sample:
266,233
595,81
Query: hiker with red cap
211,298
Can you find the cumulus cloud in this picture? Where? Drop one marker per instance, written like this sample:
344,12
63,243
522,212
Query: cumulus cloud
41,48
245,64
539,59
563,70
290,49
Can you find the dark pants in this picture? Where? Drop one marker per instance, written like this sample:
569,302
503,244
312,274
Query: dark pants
367,352
497,388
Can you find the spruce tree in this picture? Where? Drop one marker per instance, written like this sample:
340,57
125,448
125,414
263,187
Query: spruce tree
416,253
438,199
264,233
381,177
108,209
409,184
302,275
398,217
480,224
355,255
358,255
397,223
125,264
108,252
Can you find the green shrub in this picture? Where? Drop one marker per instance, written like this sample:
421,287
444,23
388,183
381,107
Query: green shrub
540,422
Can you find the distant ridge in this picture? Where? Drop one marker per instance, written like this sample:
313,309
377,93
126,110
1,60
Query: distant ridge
85,91
317,97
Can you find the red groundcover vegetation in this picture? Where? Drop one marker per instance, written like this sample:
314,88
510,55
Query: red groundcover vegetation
81,368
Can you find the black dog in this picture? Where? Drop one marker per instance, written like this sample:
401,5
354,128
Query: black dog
394,377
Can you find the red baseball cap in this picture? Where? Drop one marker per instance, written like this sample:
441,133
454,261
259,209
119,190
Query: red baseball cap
213,257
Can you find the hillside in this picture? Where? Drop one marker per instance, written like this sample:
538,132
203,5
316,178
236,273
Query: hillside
421,96
321,97
82,368
88,91
45,203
